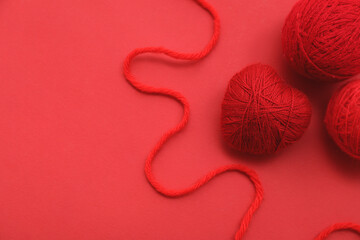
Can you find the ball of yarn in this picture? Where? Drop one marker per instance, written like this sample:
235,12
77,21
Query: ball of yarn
321,39
342,118
261,113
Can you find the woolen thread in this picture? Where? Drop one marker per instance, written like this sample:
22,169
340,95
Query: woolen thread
239,168
342,118
347,226
321,39
261,113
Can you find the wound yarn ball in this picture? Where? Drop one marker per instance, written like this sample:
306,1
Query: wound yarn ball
261,113
321,39
342,118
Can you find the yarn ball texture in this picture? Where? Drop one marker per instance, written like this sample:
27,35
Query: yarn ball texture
321,39
342,118
261,113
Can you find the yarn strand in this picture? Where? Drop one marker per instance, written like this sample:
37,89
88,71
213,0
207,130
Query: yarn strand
253,177
249,173
338,227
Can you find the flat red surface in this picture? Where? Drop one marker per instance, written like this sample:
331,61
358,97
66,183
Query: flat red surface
74,135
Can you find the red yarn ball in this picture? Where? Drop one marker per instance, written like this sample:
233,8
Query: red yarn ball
343,118
261,113
321,39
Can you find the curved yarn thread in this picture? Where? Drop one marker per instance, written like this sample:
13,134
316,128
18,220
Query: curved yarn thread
253,177
338,227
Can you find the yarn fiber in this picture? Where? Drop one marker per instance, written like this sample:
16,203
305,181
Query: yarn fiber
261,113
282,102
143,88
321,39
343,118
347,226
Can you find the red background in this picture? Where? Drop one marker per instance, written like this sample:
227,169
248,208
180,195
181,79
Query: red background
74,135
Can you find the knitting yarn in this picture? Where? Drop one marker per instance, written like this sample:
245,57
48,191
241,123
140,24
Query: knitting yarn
321,39
347,226
261,113
141,87
343,118
266,104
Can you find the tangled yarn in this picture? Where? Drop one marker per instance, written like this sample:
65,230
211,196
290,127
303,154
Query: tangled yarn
261,113
321,39
343,118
